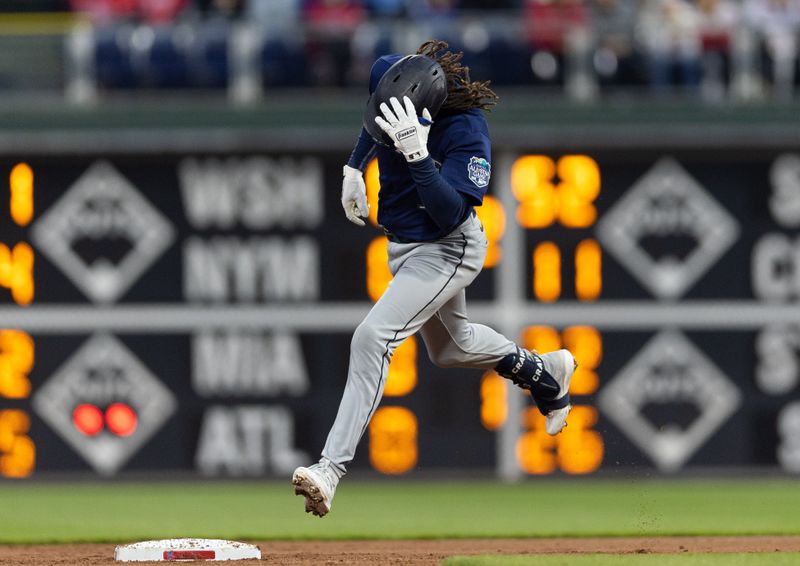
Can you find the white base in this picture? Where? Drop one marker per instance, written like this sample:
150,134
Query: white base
183,549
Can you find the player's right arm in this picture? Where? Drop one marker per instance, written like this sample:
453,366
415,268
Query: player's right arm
354,199
354,195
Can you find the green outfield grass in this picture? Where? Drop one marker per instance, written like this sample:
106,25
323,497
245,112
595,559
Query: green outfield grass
400,508
721,559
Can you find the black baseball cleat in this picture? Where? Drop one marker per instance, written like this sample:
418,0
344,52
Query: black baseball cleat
547,377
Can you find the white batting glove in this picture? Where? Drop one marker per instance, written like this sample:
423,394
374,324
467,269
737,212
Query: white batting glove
354,195
410,133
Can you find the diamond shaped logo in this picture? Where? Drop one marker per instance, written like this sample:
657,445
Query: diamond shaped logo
669,400
102,373
667,230
102,233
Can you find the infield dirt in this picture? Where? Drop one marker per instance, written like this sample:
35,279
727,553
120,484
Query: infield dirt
417,552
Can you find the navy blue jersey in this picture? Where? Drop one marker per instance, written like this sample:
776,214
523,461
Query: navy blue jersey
459,144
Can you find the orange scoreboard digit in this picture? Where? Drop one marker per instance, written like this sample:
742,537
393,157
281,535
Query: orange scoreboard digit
17,352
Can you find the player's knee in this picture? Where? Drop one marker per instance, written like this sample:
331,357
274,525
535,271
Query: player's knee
464,340
456,353
366,337
446,357
444,361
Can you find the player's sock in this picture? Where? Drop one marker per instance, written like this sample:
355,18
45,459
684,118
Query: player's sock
526,369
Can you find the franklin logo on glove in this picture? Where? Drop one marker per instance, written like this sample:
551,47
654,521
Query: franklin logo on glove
406,134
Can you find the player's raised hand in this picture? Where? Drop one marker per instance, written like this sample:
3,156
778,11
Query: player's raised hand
354,195
409,133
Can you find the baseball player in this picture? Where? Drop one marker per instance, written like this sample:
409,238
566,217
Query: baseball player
424,120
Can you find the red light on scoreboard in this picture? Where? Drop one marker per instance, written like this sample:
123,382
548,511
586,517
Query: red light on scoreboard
88,419
121,419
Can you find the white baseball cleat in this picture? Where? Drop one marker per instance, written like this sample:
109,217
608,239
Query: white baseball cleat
561,365
317,483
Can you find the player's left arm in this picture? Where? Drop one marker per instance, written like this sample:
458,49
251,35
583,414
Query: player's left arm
444,204
467,164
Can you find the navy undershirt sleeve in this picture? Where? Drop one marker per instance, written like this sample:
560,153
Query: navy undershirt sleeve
363,152
446,206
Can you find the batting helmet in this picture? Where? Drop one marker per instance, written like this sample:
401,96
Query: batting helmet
419,78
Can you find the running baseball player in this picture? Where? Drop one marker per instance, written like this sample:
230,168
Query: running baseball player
424,120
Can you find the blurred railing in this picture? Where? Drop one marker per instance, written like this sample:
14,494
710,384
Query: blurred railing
244,59
32,56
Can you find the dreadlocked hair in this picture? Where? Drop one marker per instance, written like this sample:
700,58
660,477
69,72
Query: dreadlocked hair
462,92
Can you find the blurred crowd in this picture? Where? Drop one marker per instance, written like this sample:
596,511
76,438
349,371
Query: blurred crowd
660,44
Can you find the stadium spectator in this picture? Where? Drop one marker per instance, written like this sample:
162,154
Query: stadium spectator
424,9
150,11
281,15
386,8
777,23
548,22
227,9
669,34
161,11
612,23
105,11
718,21
333,17
547,26
330,25
433,18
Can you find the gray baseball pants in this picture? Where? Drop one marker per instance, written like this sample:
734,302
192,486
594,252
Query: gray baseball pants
426,295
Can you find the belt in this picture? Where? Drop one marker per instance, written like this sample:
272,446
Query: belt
397,239
400,240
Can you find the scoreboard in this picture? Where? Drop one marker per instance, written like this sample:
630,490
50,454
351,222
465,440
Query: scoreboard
193,312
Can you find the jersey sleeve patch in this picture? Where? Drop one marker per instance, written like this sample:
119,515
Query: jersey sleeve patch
479,171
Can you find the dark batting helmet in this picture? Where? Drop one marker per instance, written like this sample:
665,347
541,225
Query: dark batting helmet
419,78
